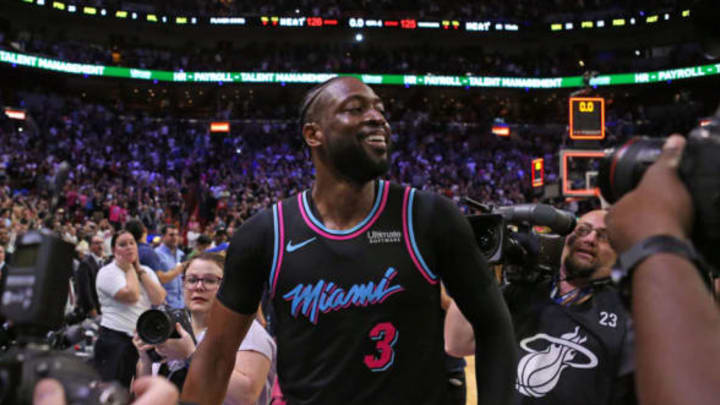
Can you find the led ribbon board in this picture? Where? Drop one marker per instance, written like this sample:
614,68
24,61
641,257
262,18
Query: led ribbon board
38,62
407,23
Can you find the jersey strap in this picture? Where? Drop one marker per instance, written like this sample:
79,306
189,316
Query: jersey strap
278,248
409,236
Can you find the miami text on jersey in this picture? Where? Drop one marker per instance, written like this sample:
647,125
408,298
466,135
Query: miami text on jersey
324,296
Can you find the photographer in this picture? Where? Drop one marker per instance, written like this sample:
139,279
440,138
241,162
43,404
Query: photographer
575,343
677,322
254,371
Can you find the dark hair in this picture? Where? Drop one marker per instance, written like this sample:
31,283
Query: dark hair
216,258
311,97
167,227
116,235
136,228
204,240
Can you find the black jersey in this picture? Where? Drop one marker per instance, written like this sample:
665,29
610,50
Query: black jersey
569,354
357,312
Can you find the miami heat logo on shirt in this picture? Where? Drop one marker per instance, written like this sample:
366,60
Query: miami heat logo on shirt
539,371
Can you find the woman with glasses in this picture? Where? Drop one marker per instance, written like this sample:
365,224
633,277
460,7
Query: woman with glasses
254,372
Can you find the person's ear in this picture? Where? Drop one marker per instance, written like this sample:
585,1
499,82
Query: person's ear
312,134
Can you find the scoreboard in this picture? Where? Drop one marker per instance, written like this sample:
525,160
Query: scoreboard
587,118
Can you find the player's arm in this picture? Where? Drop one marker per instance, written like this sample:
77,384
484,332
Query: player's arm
459,335
474,289
214,359
246,269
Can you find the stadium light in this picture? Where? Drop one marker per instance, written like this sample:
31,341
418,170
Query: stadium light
359,37
219,127
15,113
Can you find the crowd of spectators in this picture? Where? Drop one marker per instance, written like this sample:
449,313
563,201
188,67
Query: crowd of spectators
523,10
127,164
346,57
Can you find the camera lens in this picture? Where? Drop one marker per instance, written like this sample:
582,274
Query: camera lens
154,326
622,168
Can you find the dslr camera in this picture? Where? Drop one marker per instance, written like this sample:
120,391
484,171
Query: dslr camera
623,167
155,326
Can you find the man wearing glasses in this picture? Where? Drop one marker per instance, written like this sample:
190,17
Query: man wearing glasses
574,335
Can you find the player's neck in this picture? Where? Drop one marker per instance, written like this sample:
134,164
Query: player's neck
341,204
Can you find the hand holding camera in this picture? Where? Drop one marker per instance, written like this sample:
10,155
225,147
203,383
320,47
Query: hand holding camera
660,205
178,348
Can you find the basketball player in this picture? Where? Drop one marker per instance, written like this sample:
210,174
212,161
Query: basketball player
574,334
353,267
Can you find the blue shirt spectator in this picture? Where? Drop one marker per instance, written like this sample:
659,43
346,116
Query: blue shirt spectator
148,257
170,256
146,253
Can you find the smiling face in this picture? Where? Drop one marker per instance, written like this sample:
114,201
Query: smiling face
587,252
200,295
347,130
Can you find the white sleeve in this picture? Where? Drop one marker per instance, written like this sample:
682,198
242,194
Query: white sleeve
258,340
110,280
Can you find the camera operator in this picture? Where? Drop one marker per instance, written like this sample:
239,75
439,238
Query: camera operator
677,322
573,333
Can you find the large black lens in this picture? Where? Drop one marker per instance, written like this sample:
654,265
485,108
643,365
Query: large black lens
154,326
488,230
622,168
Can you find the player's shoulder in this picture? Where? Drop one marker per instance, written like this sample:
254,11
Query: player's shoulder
431,202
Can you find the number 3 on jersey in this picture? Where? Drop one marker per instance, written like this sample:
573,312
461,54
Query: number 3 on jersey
385,335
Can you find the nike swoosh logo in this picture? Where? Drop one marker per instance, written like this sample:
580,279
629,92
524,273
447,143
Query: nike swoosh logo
291,248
